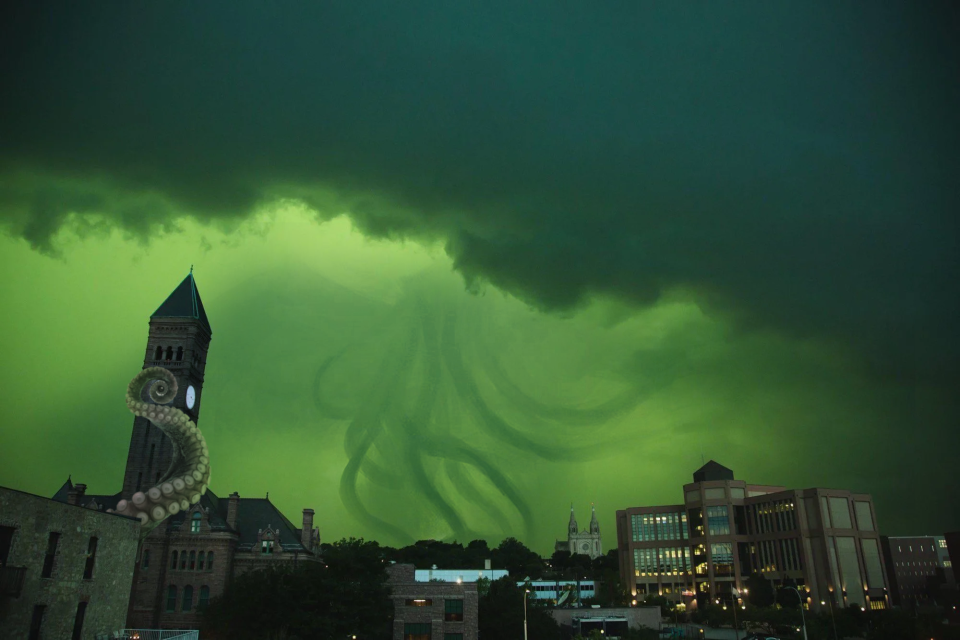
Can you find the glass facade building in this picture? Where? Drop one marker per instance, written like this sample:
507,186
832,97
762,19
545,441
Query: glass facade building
824,540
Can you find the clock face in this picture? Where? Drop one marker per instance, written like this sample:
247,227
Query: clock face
191,397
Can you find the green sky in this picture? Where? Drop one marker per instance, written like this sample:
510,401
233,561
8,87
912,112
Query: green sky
284,294
500,256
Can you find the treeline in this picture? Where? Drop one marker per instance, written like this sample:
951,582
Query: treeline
511,554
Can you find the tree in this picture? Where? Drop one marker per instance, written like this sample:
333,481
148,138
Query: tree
501,614
516,558
345,595
760,592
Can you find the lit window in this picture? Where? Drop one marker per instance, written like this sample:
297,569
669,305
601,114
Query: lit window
266,547
420,602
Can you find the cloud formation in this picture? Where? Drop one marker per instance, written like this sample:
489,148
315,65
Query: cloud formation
792,166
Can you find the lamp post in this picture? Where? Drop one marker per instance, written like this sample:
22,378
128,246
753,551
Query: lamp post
832,619
803,618
525,592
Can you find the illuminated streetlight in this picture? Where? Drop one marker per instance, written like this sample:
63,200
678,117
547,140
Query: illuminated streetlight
802,617
525,593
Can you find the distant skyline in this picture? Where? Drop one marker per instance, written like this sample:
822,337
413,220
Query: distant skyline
502,257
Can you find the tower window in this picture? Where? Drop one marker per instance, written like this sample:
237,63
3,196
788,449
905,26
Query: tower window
193,561
204,598
173,562
210,561
195,522
169,353
146,560
200,558
179,354
159,353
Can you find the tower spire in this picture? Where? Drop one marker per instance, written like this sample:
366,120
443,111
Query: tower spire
572,527
594,524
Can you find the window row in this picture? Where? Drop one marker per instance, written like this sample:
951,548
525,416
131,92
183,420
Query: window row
772,517
161,353
49,558
649,527
423,631
672,561
188,560
452,607
186,599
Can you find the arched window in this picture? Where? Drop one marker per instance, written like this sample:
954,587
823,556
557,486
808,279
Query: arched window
195,522
169,353
204,598
145,560
158,353
179,354
171,598
200,557
187,598
193,561
173,560
210,561
183,560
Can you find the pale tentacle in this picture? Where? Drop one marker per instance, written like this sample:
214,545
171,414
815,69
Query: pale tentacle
189,475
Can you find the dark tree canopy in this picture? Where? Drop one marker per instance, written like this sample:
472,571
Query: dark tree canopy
501,614
345,595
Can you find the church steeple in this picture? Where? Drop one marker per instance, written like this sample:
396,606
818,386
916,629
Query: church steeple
178,340
594,525
572,527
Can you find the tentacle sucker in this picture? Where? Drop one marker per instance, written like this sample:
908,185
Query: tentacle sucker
148,396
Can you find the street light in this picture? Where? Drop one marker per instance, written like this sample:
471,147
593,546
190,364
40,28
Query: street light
803,618
525,592
833,620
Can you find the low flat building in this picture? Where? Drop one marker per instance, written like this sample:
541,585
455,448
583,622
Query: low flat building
459,575
823,540
432,610
612,622
65,570
562,592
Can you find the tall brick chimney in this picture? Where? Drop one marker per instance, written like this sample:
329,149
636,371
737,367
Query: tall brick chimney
74,495
233,507
306,533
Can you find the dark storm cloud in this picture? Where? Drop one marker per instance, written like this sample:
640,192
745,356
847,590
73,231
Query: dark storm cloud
791,164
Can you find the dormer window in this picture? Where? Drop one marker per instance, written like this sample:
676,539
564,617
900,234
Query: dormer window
266,547
195,522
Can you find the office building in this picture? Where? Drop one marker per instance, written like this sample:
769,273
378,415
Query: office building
824,541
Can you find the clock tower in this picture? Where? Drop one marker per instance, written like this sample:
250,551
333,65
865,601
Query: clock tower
178,340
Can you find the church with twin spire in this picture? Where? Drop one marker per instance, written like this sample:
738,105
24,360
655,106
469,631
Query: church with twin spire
586,542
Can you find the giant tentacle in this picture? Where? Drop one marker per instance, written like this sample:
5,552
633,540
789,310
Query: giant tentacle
189,474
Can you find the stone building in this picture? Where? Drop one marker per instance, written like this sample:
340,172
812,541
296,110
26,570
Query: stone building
191,557
65,570
431,610
585,542
824,541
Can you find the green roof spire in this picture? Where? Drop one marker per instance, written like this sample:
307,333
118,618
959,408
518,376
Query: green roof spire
184,302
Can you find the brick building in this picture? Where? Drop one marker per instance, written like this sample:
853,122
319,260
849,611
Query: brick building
431,610
917,568
825,541
190,557
65,570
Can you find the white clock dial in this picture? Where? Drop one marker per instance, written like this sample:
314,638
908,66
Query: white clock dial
191,397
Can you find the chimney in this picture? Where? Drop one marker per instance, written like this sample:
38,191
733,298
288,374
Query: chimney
233,507
74,495
306,533
486,565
